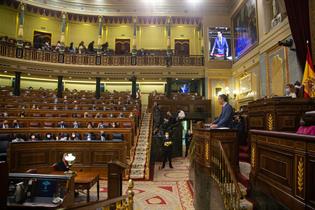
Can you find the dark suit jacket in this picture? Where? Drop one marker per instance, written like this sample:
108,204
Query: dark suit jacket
226,117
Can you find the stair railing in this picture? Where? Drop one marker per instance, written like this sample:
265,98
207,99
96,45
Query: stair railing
224,176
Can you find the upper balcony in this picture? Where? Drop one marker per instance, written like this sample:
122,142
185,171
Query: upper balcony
12,51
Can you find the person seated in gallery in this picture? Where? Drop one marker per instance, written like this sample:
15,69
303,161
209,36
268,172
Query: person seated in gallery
226,117
121,115
89,136
62,124
18,138
105,47
74,137
103,136
290,91
35,107
89,125
22,114
91,47
75,124
46,46
58,46
49,136
15,124
63,137
98,115
61,165
5,124
81,47
113,125
71,48
34,137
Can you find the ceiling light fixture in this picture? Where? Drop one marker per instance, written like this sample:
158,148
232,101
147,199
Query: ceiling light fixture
194,1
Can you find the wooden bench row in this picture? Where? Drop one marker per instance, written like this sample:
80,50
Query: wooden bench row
91,156
14,105
12,133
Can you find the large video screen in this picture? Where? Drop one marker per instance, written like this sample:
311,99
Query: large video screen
245,28
220,43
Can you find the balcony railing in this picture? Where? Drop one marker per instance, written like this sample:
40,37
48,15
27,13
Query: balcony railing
9,50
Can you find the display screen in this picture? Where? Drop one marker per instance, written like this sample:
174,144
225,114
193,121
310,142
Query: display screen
220,43
184,88
46,187
245,28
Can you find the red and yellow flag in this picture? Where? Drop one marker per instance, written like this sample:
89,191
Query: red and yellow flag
309,77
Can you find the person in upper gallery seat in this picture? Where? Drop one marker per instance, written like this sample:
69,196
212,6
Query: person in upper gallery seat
91,47
81,47
58,46
71,48
226,117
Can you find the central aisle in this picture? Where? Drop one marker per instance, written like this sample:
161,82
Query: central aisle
169,190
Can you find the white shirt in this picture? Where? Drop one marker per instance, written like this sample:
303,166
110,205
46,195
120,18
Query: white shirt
225,103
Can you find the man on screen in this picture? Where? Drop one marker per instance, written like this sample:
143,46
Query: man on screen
226,117
220,47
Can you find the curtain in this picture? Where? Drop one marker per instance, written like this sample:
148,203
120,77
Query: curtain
298,14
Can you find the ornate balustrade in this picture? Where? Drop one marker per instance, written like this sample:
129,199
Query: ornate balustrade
9,50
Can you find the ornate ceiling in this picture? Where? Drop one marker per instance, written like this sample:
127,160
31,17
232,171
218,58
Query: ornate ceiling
136,7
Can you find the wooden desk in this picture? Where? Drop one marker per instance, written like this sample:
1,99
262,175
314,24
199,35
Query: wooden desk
85,181
278,113
283,167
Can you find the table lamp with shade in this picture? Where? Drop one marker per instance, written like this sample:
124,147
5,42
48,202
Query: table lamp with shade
70,158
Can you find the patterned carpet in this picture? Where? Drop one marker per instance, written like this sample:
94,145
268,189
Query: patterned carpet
169,189
142,151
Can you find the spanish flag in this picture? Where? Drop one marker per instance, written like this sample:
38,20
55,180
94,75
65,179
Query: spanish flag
309,77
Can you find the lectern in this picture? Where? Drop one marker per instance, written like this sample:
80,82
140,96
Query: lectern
213,153
115,176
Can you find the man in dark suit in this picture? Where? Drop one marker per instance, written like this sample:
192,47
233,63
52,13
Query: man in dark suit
220,46
226,117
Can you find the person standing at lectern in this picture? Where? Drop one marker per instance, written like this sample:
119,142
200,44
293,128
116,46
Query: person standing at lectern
226,117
